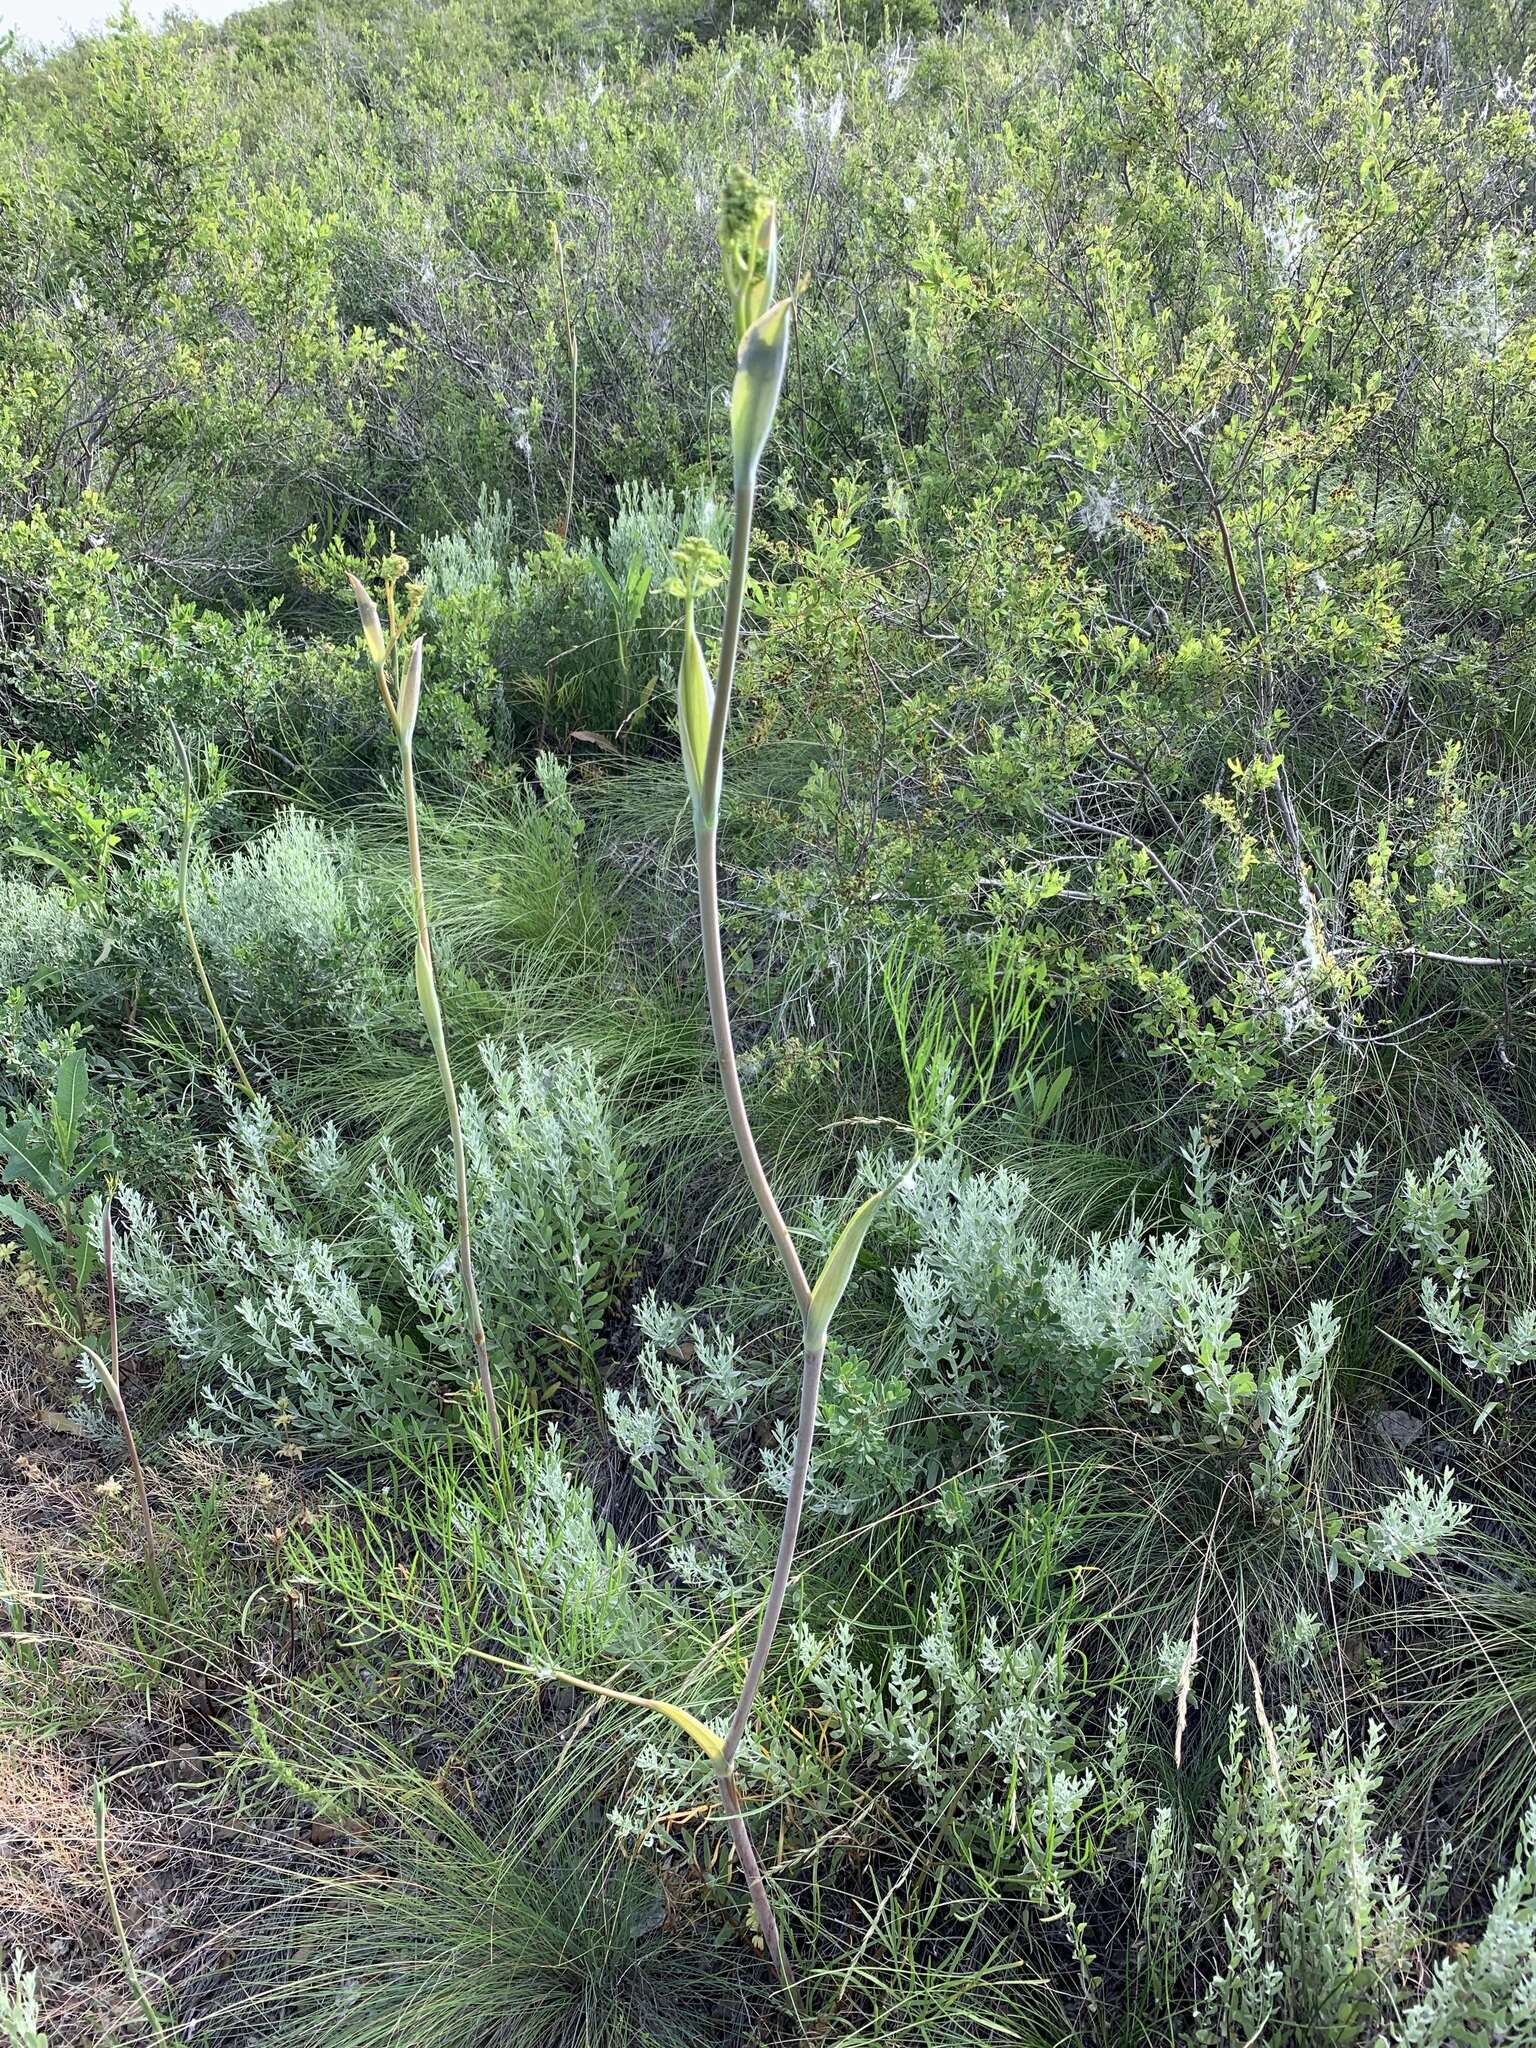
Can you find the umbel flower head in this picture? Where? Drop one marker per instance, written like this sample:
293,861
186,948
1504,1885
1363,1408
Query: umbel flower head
749,247
749,250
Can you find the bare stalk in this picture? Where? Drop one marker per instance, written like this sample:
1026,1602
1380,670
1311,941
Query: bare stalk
402,703
570,344
432,1010
157,2026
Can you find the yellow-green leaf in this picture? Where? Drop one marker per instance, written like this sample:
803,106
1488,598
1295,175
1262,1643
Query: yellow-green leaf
832,1284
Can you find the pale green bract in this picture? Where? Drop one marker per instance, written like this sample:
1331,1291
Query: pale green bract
431,1009
410,693
695,709
760,365
835,1275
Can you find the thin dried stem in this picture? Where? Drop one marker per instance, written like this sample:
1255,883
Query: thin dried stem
432,1010
109,1371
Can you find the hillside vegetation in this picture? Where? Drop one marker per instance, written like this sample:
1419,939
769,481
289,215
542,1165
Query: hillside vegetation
456,1098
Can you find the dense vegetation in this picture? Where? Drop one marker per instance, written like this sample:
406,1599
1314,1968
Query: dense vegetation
1127,869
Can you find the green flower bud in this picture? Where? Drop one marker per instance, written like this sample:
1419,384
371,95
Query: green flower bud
410,693
760,362
695,711
749,247
373,631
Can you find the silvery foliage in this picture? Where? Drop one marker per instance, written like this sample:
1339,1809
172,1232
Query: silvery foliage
270,1307
692,1390
1485,1994
1310,1926
288,922
1316,1925
566,1593
1144,1325
21,2019
44,937
1149,1321
981,1724
310,1332
1436,1214
485,561
550,1211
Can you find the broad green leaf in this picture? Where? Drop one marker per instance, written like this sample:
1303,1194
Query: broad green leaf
71,1085
21,1218
24,1158
832,1284
755,394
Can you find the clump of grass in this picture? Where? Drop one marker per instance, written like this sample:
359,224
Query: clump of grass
513,1927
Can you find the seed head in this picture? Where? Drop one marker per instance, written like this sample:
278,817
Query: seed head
748,247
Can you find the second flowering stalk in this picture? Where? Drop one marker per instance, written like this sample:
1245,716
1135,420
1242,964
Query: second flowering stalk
400,688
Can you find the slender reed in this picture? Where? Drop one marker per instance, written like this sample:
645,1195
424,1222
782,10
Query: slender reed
183,904
109,1371
402,700
159,2032
570,346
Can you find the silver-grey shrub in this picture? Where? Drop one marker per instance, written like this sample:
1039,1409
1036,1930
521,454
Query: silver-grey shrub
307,1326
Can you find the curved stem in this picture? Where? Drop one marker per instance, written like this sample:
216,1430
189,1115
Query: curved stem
433,1012
757,1889
706,832
725,1058
789,1536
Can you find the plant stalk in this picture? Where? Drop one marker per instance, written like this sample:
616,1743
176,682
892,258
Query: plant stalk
757,1889
730,635
146,2004
433,1011
706,844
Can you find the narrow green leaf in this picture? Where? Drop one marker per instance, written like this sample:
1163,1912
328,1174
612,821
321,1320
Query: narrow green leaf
695,709
755,394
832,1284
